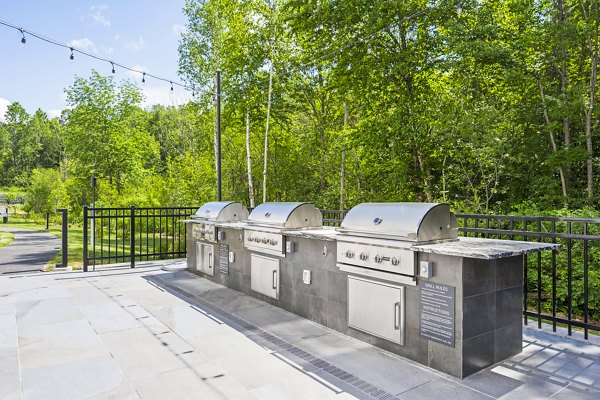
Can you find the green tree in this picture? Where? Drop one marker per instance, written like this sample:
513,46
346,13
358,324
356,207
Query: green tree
106,134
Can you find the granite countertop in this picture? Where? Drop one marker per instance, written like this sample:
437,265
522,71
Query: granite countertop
488,249
327,233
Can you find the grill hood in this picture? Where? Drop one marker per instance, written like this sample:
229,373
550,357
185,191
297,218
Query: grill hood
296,215
414,222
227,211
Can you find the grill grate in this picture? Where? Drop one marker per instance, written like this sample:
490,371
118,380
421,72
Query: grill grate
254,332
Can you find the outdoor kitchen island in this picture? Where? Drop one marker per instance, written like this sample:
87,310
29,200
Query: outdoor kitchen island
394,275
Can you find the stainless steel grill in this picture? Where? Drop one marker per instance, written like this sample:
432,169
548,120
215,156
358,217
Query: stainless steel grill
375,238
264,235
266,223
204,219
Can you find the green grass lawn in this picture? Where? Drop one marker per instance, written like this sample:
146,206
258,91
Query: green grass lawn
75,237
5,238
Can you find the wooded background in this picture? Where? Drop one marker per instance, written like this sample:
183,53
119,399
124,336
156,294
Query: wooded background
488,105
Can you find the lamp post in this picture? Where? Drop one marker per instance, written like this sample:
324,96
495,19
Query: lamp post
93,183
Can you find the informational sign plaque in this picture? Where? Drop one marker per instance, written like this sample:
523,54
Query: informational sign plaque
437,312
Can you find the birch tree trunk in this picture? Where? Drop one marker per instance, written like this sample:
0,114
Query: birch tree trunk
589,113
267,130
561,171
249,157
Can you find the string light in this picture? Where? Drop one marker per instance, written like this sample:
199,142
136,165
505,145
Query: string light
91,55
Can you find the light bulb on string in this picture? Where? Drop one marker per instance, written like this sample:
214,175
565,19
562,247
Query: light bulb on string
113,67
143,77
171,85
23,40
71,57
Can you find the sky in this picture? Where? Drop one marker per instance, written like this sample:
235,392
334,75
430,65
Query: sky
141,34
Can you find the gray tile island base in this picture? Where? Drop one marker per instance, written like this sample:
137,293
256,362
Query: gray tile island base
458,333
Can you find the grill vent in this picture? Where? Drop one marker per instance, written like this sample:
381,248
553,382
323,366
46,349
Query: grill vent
224,259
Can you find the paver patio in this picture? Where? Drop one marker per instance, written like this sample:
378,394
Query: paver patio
151,333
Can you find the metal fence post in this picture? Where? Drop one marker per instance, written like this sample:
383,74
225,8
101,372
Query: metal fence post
85,239
65,237
132,238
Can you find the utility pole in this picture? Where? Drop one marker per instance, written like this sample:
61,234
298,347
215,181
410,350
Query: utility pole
218,139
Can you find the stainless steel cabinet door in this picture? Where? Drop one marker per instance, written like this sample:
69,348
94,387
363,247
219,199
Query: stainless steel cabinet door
264,275
205,258
376,308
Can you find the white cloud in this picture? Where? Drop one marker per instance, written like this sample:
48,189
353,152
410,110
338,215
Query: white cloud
3,106
54,113
178,29
96,15
83,44
136,45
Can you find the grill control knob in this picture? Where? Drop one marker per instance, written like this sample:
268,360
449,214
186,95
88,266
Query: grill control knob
395,261
364,256
378,259
349,254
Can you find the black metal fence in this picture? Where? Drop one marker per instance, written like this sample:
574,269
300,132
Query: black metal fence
561,287
127,235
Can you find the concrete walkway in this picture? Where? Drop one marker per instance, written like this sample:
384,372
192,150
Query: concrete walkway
154,334
29,252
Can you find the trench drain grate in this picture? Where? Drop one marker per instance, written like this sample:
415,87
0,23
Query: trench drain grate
252,330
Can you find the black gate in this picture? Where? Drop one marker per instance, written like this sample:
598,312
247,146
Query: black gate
127,235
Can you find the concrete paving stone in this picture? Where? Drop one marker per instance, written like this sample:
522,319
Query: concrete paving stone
227,345
76,380
566,365
442,389
7,297
297,329
150,297
491,383
123,392
266,316
48,311
203,382
34,290
187,321
115,316
150,350
52,345
8,331
590,376
572,393
230,300
88,296
10,379
259,370
299,388
534,386
7,308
